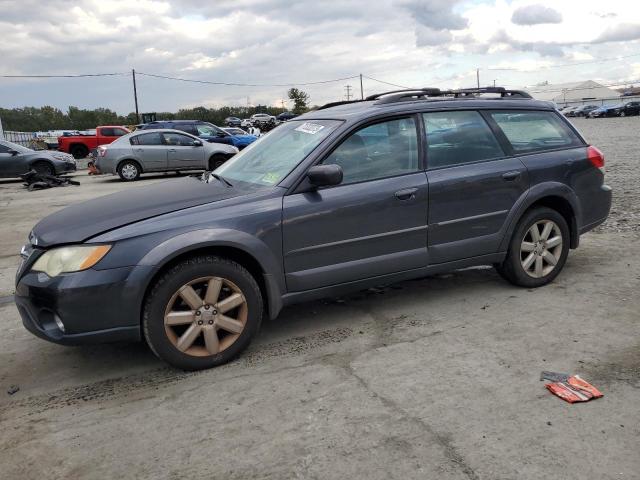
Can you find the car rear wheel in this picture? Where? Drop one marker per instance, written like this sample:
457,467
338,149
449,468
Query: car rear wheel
202,313
44,168
129,170
538,249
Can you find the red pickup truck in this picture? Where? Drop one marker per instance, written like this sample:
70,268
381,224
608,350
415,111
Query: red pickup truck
80,145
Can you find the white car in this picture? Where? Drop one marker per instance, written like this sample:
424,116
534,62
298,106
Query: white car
262,118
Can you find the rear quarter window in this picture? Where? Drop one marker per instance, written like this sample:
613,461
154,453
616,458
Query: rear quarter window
535,130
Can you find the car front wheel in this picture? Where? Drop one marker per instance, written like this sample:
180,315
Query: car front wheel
202,313
538,249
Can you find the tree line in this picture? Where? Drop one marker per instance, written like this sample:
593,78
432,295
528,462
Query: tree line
32,119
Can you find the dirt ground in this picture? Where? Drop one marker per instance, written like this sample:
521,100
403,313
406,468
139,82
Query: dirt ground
436,378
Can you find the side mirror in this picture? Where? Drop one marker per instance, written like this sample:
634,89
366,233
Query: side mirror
221,134
197,143
325,175
13,152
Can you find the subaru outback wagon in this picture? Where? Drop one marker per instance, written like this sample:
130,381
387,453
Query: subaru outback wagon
352,195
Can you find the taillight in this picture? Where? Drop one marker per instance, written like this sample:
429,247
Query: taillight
596,158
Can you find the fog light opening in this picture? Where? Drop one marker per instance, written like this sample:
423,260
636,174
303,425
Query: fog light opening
59,323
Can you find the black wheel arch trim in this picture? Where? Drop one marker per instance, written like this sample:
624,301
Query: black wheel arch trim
539,193
197,240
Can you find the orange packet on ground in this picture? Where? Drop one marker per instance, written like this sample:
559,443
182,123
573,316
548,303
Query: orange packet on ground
575,389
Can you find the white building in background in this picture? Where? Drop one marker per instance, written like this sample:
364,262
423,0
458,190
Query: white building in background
574,93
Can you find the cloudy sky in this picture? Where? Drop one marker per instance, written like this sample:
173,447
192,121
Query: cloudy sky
265,42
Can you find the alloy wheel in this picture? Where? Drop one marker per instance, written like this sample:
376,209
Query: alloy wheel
129,171
205,316
541,248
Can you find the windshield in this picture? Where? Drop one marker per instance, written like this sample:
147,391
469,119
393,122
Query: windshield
16,147
269,159
208,129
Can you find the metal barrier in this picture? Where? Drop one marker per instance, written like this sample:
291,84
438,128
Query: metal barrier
599,101
33,140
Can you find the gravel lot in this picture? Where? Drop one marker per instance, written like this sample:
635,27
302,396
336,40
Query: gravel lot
436,378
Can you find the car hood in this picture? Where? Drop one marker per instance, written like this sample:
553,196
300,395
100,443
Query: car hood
82,221
245,138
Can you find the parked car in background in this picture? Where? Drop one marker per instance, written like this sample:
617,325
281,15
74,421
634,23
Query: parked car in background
232,121
606,111
630,108
159,151
399,186
262,119
284,116
582,111
568,110
80,145
16,160
204,130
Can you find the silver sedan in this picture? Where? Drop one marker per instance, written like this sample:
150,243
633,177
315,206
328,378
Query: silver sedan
160,151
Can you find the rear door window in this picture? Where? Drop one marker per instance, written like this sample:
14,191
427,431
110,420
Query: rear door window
534,131
146,139
459,137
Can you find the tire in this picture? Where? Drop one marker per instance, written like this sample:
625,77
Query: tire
79,152
215,161
189,344
129,170
623,114
44,168
518,255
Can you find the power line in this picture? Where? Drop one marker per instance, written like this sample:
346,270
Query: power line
234,84
68,76
387,83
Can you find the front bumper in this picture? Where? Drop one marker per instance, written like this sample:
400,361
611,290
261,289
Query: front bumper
94,306
66,168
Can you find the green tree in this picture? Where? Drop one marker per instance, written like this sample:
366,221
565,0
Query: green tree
300,100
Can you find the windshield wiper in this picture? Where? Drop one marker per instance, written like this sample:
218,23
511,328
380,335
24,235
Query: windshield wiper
221,179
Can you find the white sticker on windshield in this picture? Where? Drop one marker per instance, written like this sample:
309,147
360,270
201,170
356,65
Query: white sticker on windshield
311,128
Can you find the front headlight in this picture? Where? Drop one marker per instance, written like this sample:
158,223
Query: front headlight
70,259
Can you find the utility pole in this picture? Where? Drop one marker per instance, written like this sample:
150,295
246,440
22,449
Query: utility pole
349,94
478,76
494,83
1,131
361,89
135,93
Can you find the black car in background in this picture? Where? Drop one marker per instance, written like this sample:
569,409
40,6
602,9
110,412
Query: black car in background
16,160
232,121
630,108
582,111
284,116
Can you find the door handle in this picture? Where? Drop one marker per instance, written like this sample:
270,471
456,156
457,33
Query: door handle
511,175
173,150
406,194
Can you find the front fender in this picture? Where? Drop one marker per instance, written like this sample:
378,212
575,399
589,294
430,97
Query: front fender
533,195
193,240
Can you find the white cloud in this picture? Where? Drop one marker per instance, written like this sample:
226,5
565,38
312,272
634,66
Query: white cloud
407,42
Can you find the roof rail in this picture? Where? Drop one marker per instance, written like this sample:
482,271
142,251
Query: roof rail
409,94
421,93
340,102
464,92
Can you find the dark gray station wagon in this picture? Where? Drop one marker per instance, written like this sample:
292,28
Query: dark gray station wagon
352,195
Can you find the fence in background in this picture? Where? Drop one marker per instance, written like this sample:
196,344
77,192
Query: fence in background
33,140
599,101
